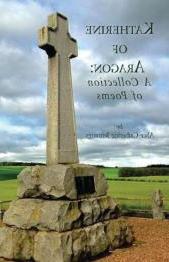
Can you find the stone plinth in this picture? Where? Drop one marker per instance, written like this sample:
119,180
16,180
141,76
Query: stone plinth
60,215
74,245
50,223
58,182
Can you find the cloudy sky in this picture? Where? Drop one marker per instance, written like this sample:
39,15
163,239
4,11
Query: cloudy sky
23,80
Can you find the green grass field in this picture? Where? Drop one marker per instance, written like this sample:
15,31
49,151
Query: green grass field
136,194
8,189
127,193
9,172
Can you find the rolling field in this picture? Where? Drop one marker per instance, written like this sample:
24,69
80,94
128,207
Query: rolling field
8,182
8,190
137,192
9,172
133,194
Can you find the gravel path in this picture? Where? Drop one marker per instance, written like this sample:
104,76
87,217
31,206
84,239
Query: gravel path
151,245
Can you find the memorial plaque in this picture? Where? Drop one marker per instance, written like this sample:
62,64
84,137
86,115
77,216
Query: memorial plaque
85,185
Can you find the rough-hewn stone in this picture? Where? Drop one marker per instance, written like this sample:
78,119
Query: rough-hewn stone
55,182
86,209
43,214
96,239
118,233
16,243
53,247
96,209
68,246
59,215
158,205
79,240
109,209
47,182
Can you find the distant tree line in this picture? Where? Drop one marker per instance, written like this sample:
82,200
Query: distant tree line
143,171
19,163
159,165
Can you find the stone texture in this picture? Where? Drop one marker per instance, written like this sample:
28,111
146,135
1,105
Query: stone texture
86,209
43,215
158,205
74,245
55,182
53,247
61,131
47,182
60,215
79,243
16,243
97,242
118,233
109,209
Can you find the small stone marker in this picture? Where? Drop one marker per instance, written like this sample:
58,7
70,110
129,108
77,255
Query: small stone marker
63,213
157,205
61,132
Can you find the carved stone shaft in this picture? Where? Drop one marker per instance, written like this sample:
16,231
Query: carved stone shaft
61,130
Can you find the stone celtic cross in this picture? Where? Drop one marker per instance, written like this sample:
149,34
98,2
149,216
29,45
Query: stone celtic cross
61,131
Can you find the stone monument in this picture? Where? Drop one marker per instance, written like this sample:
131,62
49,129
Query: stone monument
158,205
62,213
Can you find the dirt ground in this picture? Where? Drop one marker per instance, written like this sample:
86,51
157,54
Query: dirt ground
151,245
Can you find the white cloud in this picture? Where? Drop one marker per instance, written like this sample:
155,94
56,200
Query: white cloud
29,153
21,20
22,72
23,106
13,129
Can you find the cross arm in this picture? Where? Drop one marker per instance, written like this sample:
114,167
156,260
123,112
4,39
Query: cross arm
58,21
72,47
44,41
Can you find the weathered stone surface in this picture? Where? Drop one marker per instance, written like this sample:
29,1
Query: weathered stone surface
158,205
96,209
4,260
43,214
74,245
71,246
58,181
53,247
47,182
96,240
86,209
118,233
109,209
59,215
79,240
16,243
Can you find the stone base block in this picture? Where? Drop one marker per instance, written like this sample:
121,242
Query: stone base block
55,182
59,215
16,243
75,245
